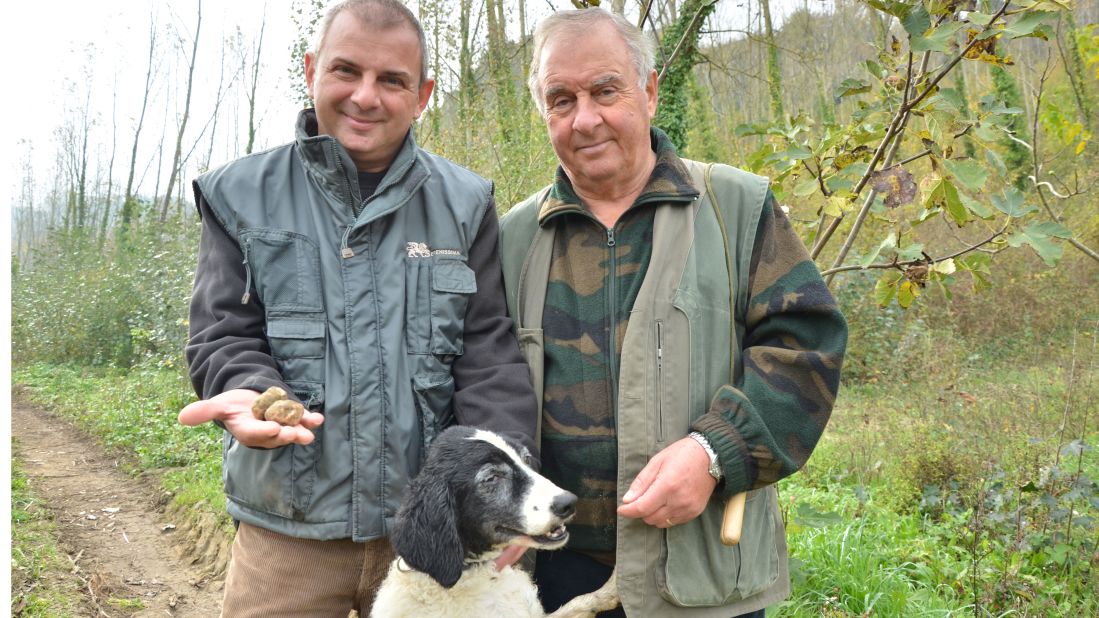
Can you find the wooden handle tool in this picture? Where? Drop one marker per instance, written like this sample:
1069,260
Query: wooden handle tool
733,522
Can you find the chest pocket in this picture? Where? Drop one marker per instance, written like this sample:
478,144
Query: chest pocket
284,269
437,292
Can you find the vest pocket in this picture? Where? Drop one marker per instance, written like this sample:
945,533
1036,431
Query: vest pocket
437,292
277,481
285,267
296,337
699,571
434,394
298,345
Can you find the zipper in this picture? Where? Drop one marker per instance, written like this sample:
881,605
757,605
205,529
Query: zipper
345,250
660,380
612,300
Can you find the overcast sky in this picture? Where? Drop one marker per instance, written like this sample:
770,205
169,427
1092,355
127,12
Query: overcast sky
59,50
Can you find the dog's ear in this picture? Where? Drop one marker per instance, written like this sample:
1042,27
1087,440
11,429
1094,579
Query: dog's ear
426,535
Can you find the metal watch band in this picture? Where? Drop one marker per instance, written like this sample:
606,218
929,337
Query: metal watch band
715,467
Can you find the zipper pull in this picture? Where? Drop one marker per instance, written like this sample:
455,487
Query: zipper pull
247,282
610,237
659,345
346,251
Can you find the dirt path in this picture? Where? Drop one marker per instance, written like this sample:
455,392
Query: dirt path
121,544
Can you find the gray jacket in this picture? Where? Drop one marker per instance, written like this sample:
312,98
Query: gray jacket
387,315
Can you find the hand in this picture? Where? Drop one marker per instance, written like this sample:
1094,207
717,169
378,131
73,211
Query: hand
673,488
234,409
511,555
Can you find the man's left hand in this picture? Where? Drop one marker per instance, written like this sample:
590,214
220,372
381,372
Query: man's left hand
673,488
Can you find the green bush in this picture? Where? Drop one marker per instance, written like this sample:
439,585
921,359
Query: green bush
118,305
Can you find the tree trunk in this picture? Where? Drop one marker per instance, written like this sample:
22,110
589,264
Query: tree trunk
1017,157
212,124
500,68
104,221
305,15
82,177
173,174
1074,69
680,48
774,69
524,58
129,202
251,94
25,242
467,81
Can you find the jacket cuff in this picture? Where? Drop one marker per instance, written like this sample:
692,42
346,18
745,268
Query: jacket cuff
732,452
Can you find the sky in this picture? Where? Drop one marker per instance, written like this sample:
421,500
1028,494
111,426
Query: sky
67,48
63,52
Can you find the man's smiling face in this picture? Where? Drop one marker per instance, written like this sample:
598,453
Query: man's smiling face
597,113
365,84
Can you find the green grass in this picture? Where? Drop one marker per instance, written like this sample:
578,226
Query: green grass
41,583
135,413
953,492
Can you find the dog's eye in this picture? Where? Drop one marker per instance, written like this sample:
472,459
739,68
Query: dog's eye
493,475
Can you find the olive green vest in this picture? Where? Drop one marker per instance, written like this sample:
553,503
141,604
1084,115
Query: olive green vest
685,570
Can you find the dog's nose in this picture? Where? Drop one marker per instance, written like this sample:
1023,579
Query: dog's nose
564,505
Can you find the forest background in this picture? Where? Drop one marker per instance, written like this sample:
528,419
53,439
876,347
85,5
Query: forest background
937,156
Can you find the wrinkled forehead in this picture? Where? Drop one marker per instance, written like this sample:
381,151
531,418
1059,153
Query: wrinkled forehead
598,48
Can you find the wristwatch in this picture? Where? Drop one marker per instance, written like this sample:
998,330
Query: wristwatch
715,467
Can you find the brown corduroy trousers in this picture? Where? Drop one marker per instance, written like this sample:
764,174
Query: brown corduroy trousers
272,575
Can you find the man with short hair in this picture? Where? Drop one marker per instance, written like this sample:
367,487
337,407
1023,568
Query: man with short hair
682,344
360,274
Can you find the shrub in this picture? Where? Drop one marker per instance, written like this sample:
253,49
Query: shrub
116,305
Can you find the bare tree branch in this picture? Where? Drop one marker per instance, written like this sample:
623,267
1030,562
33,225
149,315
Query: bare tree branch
1039,186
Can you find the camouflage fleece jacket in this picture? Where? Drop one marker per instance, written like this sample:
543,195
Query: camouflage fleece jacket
793,343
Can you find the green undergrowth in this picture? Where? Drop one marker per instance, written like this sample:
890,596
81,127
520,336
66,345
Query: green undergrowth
954,492
134,413
41,582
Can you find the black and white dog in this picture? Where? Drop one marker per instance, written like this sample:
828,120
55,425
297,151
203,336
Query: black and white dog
474,496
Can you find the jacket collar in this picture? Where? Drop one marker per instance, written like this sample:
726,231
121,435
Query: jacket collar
669,182
330,163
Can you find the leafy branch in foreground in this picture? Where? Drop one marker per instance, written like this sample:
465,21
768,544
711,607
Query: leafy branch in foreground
896,170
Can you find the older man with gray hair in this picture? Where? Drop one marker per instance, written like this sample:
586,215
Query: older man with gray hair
683,346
